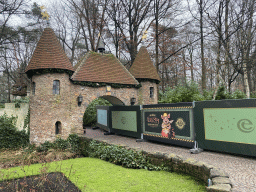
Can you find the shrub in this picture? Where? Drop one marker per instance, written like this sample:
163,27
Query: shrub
222,93
238,95
19,101
120,156
187,93
44,147
60,144
74,141
10,137
90,115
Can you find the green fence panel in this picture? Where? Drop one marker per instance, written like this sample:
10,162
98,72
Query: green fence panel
226,126
169,123
126,120
103,117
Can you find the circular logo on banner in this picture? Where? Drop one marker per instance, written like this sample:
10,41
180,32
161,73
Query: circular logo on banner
245,125
123,120
180,123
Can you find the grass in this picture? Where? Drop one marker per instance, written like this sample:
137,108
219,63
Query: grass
90,174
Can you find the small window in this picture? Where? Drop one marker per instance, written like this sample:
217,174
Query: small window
151,92
56,87
58,128
33,88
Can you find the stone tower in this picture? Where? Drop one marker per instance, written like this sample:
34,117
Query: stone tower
49,70
145,73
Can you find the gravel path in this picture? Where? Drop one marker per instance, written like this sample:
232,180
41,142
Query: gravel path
241,170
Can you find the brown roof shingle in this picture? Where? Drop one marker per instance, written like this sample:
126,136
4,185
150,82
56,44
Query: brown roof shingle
106,68
142,67
49,54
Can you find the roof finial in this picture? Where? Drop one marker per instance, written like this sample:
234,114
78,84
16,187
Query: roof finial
45,15
144,36
101,46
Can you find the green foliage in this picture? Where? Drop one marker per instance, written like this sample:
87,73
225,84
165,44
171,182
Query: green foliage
10,137
187,93
120,156
222,93
30,148
74,141
100,84
2,105
44,147
208,95
19,101
253,94
60,144
238,94
27,122
190,93
90,115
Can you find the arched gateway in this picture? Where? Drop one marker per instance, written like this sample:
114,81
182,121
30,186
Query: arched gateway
61,92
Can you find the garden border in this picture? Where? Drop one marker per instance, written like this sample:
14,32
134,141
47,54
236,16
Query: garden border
177,163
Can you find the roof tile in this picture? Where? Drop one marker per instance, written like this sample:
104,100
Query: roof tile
102,68
49,54
142,67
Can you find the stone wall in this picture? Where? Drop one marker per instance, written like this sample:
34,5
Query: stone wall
144,93
46,108
91,93
21,113
199,170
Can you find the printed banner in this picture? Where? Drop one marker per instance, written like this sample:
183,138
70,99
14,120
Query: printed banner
230,124
102,117
124,120
168,123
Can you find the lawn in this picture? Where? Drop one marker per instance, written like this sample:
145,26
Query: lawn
90,174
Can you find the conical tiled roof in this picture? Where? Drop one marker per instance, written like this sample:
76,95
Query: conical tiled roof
142,67
49,54
102,68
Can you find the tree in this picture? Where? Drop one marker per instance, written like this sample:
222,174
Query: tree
92,17
134,21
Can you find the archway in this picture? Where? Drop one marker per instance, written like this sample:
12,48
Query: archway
113,100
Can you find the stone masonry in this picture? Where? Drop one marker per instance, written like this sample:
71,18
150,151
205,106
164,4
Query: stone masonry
58,115
46,108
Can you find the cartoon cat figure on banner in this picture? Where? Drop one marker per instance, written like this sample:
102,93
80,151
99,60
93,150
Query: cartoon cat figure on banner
167,130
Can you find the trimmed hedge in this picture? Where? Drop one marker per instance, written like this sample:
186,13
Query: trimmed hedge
10,137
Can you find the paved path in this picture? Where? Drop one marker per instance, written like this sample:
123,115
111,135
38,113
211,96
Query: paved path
242,170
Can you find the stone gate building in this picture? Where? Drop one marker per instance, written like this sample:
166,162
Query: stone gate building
61,92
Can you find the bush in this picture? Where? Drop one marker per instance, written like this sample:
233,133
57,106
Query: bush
187,93
10,137
44,147
90,115
222,93
74,142
121,156
60,144
19,101
238,95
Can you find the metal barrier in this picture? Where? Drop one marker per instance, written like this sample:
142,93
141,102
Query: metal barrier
225,126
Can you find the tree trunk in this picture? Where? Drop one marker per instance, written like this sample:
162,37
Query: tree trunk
246,84
227,40
202,46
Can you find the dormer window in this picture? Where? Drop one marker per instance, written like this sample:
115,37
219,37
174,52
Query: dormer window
56,87
151,89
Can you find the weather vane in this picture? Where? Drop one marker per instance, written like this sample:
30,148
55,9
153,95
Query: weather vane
45,15
144,36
